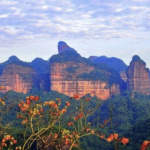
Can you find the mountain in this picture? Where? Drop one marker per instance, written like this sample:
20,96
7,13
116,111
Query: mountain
14,60
42,68
69,73
18,77
73,74
113,62
138,76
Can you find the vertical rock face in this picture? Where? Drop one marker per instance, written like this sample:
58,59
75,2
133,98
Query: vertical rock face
123,76
17,78
64,79
138,76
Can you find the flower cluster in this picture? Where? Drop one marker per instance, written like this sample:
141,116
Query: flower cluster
78,116
7,141
51,113
69,137
114,136
29,108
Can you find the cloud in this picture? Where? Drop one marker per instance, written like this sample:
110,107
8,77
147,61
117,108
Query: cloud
95,19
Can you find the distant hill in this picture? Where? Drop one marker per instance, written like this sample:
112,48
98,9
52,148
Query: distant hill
40,65
42,68
13,60
112,62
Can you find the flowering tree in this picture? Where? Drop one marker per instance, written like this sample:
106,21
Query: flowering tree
51,125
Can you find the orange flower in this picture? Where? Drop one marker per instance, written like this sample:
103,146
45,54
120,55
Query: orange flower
24,121
14,141
75,145
19,105
36,98
28,101
145,145
67,104
3,140
1,87
115,136
88,129
55,136
58,99
110,138
74,133
32,97
67,142
70,123
102,126
76,118
124,140
92,131
55,106
63,110
76,96
8,137
23,108
105,122
41,110
4,144
80,115
19,116
102,136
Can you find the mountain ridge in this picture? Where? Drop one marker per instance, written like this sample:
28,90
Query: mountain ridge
96,74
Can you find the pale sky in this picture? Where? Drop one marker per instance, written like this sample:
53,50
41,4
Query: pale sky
114,28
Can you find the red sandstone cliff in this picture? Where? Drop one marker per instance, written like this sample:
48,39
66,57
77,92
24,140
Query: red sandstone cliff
17,78
138,76
65,80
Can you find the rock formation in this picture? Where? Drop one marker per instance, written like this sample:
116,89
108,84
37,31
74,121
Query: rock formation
72,74
123,76
67,82
138,76
62,46
17,78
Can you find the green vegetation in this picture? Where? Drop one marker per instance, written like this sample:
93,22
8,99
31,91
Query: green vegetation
72,69
114,63
67,56
101,72
130,117
94,75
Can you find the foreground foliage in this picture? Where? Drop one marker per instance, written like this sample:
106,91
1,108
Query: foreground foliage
45,123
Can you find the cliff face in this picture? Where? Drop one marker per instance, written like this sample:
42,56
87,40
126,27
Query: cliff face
17,78
64,79
123,76
138,76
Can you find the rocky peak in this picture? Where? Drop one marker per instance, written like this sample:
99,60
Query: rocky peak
62,46
138,76
13,59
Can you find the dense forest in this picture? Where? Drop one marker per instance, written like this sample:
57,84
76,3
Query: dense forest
127,116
